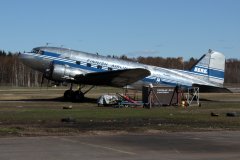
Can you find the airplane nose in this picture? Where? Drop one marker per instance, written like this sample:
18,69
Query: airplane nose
25,58
32,61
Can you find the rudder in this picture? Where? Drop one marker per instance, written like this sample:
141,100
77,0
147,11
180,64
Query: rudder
211,67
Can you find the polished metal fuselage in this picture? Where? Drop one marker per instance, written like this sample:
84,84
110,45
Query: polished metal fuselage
42,57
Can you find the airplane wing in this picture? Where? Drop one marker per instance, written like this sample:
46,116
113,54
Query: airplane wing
117,78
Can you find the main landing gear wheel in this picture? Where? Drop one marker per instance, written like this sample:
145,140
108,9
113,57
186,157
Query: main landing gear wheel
75,96
68,94
78,96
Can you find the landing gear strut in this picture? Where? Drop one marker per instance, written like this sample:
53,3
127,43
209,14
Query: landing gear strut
75,96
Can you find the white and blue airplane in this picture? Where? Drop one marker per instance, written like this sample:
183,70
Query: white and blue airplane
76,67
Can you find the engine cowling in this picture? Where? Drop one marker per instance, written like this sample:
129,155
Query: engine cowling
58,72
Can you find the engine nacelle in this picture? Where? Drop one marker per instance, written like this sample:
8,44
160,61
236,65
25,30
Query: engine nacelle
58,72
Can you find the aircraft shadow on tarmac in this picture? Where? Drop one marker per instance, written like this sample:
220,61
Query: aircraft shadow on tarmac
86,100
57,99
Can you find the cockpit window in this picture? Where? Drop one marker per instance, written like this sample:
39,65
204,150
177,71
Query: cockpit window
37,51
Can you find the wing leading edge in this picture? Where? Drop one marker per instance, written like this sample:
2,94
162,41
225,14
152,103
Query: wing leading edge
116,78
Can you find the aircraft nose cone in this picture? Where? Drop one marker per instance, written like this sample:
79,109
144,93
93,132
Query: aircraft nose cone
33,61
26,59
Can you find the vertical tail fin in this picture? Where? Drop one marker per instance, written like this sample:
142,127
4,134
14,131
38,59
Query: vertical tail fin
211,68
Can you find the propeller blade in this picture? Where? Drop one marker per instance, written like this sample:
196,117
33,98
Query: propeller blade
48,83
42,80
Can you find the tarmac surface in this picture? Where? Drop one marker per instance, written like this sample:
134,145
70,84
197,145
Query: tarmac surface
222,145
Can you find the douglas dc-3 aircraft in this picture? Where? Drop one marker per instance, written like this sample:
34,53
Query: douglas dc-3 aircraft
75,67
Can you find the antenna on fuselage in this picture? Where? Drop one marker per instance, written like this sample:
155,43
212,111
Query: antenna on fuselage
47,44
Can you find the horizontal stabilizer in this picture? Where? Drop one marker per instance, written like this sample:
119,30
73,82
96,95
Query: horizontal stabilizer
211,89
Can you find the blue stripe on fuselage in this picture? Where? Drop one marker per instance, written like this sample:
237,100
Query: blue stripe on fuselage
51,54
78,66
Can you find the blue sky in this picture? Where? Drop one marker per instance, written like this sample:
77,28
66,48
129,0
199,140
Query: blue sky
166,28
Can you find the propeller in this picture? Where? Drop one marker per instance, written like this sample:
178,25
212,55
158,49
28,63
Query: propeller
47,74
42,81
48,83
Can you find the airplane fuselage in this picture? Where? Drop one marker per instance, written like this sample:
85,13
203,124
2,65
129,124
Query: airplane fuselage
78,62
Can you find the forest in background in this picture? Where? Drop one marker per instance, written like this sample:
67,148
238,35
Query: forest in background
14,73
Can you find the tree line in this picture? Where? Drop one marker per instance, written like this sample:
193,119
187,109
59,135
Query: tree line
14,73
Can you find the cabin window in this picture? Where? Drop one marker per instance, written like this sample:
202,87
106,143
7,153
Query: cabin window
99,67
89,65
109,68
78,62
